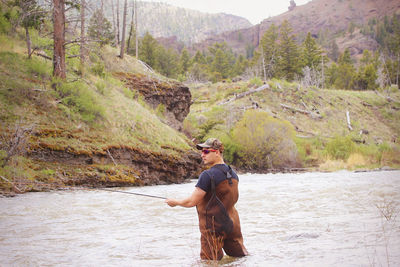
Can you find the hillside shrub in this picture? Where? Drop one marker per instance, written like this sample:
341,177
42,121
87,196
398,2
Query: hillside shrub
101,87
231,149
4,24
206,127
38,68
340,147
80,99
98,69
256,81
265,142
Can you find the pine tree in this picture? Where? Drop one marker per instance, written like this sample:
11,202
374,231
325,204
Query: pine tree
222,60
334,51
167,61
270,49
289,64
100,28
147,51
367,72
199,58
184,61
312,54
240,65
346,72
220,65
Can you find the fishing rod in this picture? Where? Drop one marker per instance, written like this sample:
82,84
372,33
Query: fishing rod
131,193
86,188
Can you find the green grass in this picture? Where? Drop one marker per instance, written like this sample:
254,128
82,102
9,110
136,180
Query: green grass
80,116
368,111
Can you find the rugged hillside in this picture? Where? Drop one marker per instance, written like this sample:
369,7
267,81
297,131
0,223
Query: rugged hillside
325,19
109,128
318,117
188,26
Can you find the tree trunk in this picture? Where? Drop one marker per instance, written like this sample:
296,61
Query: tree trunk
398,71
121,55
59,69
83,37
131,30
117,22
263,63
136,32
28,42
113,21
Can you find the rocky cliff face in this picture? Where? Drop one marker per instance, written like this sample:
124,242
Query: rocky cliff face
174,96
131,166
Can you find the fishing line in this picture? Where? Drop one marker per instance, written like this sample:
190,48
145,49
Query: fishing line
84,188
131,193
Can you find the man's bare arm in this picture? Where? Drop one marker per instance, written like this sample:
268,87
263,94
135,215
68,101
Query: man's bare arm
191,201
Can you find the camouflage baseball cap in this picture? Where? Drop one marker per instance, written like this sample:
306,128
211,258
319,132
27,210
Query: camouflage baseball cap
213,143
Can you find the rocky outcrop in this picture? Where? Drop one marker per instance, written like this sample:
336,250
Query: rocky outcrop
132,166
292,5
174,96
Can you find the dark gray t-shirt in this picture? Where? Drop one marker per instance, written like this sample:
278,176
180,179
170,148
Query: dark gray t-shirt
204,181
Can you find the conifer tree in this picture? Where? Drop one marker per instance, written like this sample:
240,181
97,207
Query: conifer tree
220,65
167,61
289,64
30,15
333,52
147,51
346,72
312,54
100,28
367,72
184,61
270,49
240,65
199,58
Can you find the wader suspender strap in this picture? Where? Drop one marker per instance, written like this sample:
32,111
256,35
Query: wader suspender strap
212,184
227,174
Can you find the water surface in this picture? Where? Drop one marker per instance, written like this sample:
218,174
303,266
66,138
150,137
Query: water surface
308,219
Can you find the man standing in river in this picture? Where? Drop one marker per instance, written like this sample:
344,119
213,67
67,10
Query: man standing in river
226,189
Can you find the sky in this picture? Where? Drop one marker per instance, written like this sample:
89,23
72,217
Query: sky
253,10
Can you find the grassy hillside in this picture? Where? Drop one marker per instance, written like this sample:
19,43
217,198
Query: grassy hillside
322,136
50,134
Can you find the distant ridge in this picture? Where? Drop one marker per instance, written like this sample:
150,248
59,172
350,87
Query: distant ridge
328,20
189,26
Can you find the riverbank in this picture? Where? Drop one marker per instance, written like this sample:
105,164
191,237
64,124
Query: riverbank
15,189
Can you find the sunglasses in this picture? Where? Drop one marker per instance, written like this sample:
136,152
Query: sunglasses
206,151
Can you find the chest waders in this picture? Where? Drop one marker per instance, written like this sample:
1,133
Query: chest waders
214,236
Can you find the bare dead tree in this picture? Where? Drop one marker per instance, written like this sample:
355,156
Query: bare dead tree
118,22
16,143
114,23
122,52
131,29
83,37
136,31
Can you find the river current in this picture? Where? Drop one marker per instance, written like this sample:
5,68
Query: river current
308,219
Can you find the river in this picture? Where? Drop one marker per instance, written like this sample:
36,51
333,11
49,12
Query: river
308,219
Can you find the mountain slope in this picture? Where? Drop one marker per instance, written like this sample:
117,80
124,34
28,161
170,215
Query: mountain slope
325,19
187,25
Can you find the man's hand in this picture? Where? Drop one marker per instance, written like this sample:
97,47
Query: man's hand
171,202
194,199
